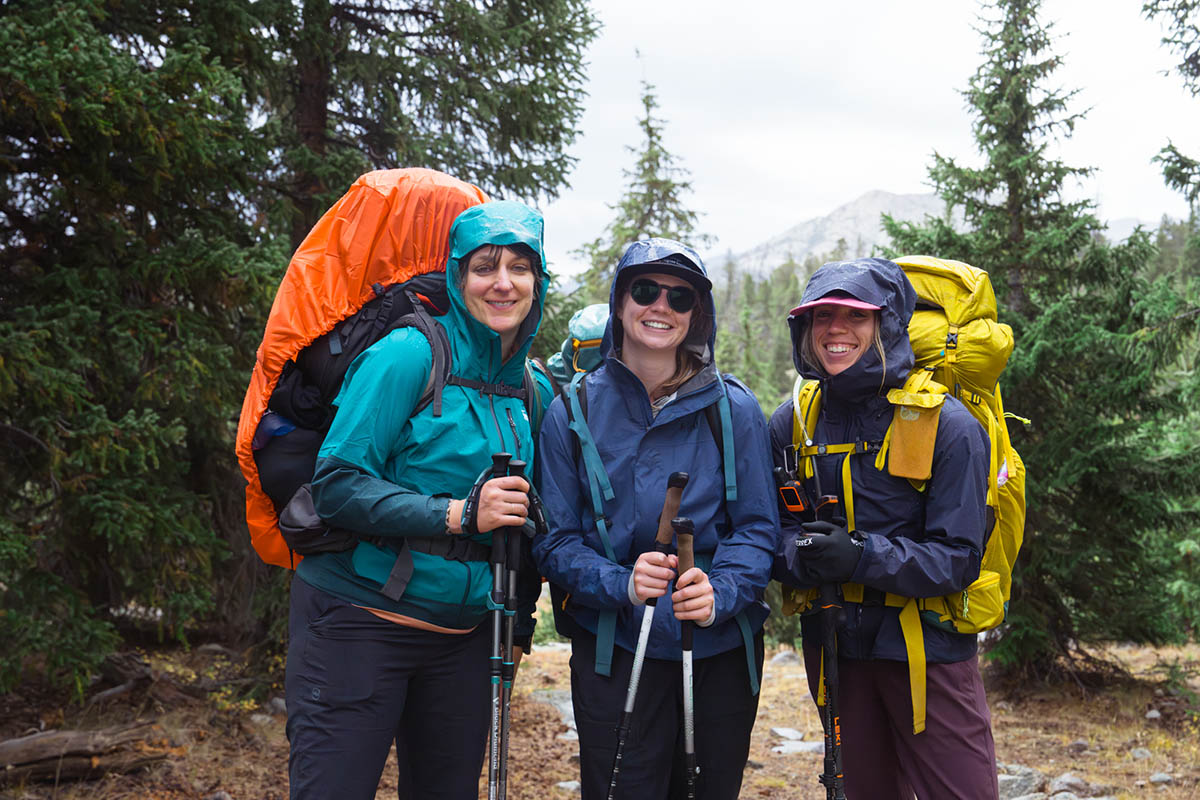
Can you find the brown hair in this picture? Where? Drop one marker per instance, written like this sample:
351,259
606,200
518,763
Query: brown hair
687,363
492,251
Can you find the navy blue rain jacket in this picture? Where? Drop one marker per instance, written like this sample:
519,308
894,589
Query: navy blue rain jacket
917,544
639,451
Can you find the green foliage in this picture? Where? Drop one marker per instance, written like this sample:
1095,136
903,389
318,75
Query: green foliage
1183,39
651,206
130,275
1097,340
161,160
780,629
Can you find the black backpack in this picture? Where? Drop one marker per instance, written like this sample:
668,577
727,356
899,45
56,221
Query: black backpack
300,408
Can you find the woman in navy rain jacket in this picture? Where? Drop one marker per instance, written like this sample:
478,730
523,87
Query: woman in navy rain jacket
850,331
646,413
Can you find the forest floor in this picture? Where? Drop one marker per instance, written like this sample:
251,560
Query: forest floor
230,749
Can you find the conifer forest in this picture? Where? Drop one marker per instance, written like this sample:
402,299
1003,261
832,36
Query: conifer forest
161,160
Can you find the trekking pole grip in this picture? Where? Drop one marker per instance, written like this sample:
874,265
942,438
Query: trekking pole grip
666,534
684,537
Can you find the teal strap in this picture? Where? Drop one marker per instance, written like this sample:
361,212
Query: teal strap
606,635
748,638
591,456
599,486
727,438
704,562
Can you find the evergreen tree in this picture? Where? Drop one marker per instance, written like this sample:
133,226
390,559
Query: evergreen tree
131,286
1094,338
488,91
651,205
162,159
1182,172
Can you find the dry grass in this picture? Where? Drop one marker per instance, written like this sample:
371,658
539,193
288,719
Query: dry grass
223,749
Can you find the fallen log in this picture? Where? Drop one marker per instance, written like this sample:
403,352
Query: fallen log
78,755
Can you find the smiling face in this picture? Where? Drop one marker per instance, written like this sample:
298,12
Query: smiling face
498,289
840,336
656,327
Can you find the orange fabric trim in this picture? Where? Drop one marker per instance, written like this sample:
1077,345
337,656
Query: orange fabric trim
391,225
411,622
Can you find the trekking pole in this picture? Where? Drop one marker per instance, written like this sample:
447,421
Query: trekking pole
830,603
496,604
662,543
684,532
512,559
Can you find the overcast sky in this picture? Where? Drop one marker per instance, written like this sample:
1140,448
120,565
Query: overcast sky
783,111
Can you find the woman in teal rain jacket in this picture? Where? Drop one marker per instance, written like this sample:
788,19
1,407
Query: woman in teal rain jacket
365,667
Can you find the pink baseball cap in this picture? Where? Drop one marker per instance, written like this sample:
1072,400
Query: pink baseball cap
835,300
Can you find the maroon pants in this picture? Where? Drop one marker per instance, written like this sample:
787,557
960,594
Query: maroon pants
954,758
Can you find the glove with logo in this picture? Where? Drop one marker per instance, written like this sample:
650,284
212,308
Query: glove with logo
827,553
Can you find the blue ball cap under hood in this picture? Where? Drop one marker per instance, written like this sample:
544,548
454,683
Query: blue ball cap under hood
668,257
872,280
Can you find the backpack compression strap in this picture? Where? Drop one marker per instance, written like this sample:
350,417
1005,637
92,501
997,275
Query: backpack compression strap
600,489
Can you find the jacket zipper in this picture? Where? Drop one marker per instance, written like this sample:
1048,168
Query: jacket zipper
516,439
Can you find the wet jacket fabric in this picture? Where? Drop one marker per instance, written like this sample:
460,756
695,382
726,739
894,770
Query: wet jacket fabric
639,451
386,472
917,544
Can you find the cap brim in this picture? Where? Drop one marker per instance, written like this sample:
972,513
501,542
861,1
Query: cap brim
848,302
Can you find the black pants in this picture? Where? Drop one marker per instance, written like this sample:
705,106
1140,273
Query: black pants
652,764
356,683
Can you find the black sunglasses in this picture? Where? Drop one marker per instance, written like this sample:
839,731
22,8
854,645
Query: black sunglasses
644,292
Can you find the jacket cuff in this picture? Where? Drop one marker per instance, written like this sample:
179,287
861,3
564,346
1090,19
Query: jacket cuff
633,598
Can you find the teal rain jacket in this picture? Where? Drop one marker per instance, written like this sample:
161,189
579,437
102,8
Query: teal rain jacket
386,472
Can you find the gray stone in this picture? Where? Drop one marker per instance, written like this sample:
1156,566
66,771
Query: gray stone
752,764
569,786
569,735
787,733
1154,713
261,719
1068,782
1139,753
278,706
1020,784
785,657
1034,796
789,747
221,795
1161,779
1064,796
1078,746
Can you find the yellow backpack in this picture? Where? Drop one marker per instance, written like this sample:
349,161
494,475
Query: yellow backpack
960,349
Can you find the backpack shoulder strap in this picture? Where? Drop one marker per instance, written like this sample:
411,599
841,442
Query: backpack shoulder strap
720,423
439,346
533,393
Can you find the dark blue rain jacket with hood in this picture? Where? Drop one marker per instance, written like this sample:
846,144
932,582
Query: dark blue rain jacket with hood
916,544
640,450
386,472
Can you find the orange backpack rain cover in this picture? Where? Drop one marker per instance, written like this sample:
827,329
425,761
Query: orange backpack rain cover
391,225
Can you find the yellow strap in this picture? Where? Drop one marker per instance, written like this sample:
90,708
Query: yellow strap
914,642
576,346
847,492
821,678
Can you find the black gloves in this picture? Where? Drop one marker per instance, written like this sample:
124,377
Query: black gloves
825,553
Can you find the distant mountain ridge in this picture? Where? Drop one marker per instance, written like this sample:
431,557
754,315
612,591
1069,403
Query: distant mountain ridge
857,222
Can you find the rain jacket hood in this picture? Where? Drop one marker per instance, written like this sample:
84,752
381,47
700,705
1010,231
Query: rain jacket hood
876,281
500,223
675,257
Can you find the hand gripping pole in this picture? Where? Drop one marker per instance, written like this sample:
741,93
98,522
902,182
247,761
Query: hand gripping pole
662,543
496,604
684,533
